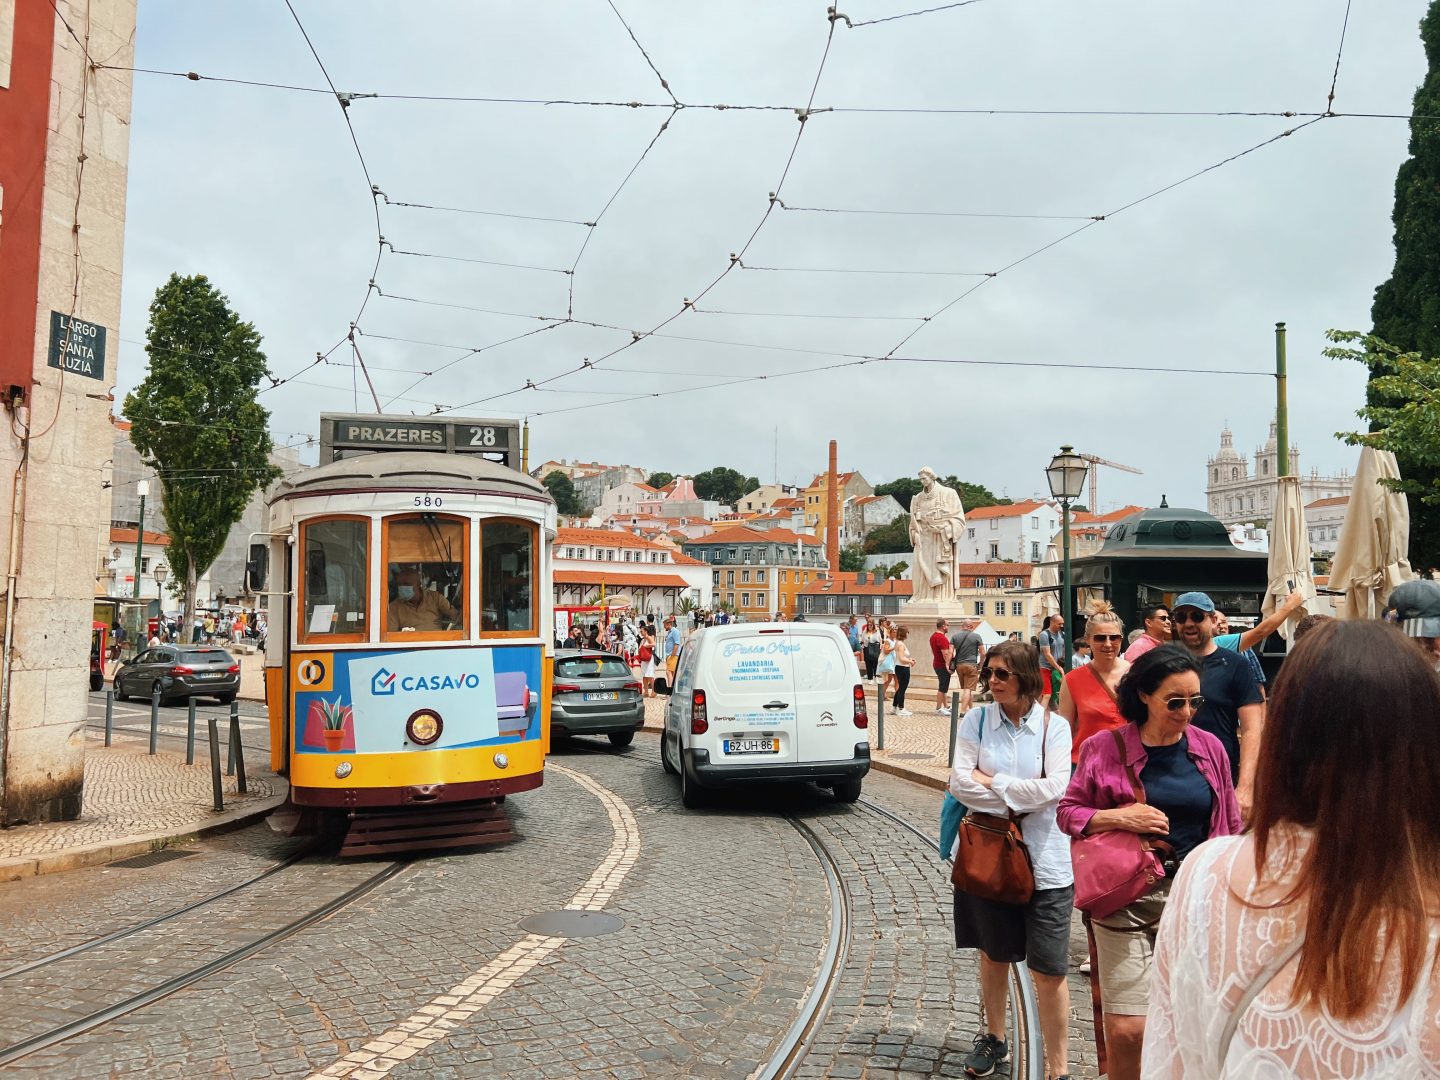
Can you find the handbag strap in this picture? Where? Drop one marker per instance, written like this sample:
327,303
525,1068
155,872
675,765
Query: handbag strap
1103,684
1137,788
1262,979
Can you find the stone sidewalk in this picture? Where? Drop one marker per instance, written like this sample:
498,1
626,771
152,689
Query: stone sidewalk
135,803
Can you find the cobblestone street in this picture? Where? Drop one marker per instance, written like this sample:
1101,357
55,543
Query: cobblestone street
723,914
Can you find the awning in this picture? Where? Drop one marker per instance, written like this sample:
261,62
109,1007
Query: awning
620,581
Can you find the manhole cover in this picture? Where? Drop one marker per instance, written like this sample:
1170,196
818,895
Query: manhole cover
154,858
574,924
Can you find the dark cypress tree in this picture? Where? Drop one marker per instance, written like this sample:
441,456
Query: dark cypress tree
1406,312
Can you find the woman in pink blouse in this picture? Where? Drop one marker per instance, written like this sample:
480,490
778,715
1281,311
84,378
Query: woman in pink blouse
1309,947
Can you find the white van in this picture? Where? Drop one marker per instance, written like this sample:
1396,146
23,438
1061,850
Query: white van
766,701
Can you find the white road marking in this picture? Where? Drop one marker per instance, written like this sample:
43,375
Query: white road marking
434,1022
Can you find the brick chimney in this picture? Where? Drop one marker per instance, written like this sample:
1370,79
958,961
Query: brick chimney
832,513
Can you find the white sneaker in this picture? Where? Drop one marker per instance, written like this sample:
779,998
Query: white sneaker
941,710
903,712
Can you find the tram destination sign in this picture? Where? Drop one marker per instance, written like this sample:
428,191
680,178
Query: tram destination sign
76,346
342,435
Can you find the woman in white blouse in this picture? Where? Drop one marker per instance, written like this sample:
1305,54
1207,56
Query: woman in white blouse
1308,948
1013,756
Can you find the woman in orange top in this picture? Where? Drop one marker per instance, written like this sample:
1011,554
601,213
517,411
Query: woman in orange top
1087,698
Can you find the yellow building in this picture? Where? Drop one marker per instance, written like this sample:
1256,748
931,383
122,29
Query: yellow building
852,486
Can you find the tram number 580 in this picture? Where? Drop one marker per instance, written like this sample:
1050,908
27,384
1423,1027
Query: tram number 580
434,501
482,436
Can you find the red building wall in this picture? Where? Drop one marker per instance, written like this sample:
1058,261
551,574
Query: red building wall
24,129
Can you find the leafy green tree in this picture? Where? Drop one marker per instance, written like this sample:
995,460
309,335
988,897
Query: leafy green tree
897,569
1404,417
852,558
1406,312
724,485
562,490
972,496
659,480
889,538
195,421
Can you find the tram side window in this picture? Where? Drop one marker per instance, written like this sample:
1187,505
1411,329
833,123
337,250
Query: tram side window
507,550
425,575
337,571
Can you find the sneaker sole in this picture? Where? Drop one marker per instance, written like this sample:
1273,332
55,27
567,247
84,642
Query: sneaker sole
990,1071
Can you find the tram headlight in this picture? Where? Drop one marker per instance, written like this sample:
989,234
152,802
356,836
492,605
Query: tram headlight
342,770
501,761
424,727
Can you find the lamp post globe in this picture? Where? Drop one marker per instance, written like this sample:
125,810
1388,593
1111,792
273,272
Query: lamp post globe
1066,475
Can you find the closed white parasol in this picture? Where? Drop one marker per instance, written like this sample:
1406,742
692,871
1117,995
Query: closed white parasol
1289,554
1372,554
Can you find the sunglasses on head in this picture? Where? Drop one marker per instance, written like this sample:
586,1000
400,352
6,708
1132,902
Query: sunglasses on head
1193,615
1175,704
1097,638
998,674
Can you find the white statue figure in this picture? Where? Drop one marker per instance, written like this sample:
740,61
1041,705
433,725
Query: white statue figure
936,518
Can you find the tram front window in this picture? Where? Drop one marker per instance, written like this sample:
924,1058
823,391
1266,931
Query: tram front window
425,571
506,566
337,571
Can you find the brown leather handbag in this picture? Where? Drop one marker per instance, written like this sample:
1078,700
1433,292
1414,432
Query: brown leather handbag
992,861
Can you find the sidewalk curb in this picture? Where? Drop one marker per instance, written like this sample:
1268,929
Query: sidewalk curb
19,867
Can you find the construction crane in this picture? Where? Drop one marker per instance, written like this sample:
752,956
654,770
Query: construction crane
1093,480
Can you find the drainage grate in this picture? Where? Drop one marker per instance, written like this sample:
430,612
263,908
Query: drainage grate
571,924
154,858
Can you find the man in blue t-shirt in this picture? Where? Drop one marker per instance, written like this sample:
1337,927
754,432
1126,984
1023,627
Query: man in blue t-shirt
1233,711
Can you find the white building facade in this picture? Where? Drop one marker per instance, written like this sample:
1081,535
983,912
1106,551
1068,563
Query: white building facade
1019,532
1239,495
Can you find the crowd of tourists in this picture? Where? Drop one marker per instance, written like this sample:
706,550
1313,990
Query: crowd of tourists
1257,867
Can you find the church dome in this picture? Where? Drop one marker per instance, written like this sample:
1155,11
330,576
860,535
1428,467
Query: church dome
1227,447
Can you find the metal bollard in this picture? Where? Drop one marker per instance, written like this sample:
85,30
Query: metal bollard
880,718
109,714
154,714
190,734
237,751
212,723
954,726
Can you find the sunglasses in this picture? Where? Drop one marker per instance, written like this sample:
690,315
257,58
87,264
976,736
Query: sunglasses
1175,704
1191,615
998,674
1161,618
1097,638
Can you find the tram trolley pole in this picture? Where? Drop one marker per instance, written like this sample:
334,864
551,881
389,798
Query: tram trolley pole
212,722
109,715
237,751
190,733
154,715
954,727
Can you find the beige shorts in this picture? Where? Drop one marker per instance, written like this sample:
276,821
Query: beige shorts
1125,950
968,675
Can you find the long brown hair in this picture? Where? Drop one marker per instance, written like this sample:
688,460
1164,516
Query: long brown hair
1352,752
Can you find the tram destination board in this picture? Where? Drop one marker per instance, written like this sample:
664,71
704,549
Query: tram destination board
346,434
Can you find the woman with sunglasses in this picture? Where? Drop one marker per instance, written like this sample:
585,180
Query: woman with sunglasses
1013,758
1088,697
1183,775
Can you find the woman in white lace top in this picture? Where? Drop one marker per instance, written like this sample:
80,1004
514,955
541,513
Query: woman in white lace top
1313,941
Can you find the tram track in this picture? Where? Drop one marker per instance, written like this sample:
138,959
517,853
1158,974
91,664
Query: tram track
178,982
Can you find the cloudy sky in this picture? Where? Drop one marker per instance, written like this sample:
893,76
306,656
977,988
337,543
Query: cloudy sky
261,189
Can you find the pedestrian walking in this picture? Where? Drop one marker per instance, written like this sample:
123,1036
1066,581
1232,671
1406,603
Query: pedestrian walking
1012,757
942,657
1052,655
1088,698
969,652
852,635
886,667
672,651
903,663
870,647
1310,947
1168,782
646,656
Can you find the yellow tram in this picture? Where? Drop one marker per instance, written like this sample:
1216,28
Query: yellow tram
408,688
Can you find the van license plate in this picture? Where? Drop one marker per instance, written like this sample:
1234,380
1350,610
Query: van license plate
603,695
752,746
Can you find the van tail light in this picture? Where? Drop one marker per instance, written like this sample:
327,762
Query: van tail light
699,722
634,684
181,669
862,717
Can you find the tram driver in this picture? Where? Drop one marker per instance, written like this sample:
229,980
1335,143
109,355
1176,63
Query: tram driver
418,608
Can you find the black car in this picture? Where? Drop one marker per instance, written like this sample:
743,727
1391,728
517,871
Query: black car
595,693
182,671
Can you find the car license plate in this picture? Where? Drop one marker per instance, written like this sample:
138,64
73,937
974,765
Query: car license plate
752,746
208,675
603,695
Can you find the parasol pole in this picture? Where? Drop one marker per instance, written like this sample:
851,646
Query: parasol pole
1282,410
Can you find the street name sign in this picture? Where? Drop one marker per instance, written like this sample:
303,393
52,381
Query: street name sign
77,346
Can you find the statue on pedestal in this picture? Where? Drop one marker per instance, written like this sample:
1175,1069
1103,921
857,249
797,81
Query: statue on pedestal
936,518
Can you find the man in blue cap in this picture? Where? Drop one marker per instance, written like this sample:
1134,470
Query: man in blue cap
1233,711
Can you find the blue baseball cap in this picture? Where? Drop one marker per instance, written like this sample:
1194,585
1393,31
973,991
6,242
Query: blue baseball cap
1196,600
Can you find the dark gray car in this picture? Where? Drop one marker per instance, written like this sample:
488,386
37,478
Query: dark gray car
595,693
183,671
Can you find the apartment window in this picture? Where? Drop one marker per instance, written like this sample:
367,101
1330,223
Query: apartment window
760,576
979,607
994,524
745,575
1334,532
730,578
1034,550
745,554
730,555
744,599
1017,607
717,578
730,598
971,532
784,577
994,549
760,599
1035,522
979,583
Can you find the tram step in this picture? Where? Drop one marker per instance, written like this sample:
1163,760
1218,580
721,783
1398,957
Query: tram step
388,832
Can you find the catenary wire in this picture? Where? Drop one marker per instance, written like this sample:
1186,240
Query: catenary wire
1339,51
910,14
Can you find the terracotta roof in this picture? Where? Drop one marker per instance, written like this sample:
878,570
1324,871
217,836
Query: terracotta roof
1338,500
788,502
741,534
1106,518
844,478
123,425
127,536
619,579
992,569
1018,509
844,584
867,499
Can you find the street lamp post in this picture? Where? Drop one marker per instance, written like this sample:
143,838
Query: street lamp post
1066,474
143,487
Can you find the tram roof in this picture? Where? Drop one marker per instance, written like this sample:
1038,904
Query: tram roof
405,471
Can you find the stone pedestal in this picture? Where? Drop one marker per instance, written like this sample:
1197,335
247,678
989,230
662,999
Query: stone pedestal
918,616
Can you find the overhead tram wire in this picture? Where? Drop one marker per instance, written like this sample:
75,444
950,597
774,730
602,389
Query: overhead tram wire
933,213
1339,51
909,14
852,270
485,213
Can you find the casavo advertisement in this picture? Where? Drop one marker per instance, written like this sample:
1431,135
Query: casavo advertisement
362,702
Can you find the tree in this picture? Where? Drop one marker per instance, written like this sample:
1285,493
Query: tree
659,480
897,569
1406,312
195,421
852,558
972,496
889,538
562,490
1404,417
724,485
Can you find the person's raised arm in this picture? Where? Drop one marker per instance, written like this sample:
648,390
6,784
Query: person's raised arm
1252,727
1249,639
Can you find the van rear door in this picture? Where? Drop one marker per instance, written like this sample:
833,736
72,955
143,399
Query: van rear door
749,687
825,679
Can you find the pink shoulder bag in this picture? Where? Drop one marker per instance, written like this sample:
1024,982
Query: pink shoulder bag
1114,869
